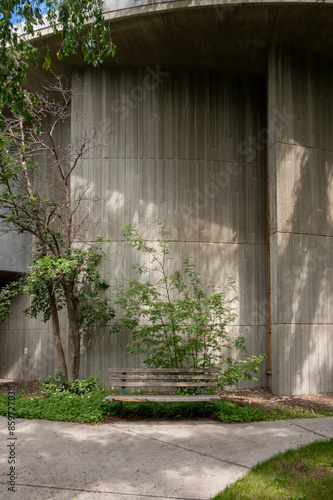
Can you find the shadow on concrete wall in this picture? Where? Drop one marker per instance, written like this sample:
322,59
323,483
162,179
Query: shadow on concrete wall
189,147
304,279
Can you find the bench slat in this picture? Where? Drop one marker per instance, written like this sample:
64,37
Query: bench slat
159,383
164,377
163,370
161,398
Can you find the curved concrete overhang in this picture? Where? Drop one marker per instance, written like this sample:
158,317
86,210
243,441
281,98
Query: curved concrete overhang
234,36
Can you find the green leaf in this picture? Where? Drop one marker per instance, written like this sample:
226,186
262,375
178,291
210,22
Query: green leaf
47,61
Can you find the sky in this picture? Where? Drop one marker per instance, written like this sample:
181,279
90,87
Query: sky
18,19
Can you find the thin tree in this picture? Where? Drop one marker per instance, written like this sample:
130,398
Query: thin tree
36,197
35,170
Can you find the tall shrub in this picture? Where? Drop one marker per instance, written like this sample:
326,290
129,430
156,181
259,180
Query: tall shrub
179,320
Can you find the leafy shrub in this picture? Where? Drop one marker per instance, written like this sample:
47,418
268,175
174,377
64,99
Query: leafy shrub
178,320
57,384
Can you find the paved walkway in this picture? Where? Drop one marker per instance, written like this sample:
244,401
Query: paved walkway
142,460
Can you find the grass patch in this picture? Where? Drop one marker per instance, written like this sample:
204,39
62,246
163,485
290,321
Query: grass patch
90,407
304,473
61,400
63,408
231,412
224,411
83,401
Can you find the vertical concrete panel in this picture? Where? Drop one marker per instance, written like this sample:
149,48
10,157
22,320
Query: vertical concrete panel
182,150
301,172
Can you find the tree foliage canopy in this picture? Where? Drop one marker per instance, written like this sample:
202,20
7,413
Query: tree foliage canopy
80,24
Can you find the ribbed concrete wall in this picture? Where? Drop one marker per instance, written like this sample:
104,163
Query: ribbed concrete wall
177,145
173,144
189,146
301,199
19,332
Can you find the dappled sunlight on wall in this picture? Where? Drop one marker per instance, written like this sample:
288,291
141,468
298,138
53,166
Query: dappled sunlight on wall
302,233
185,146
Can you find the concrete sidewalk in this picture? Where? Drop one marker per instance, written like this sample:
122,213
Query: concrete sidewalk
142,460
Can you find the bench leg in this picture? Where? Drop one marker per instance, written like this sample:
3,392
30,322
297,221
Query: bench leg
203,409
121,409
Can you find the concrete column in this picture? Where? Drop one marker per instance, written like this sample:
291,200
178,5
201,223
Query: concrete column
300,89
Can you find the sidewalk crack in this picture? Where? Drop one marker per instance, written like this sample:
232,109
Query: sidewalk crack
183,448
309,430
106,492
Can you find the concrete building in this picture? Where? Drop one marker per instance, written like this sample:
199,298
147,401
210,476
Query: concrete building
217,117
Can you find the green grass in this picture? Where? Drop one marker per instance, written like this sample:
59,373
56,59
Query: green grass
231,412
90,407
225,411
63,408
305,473
83,401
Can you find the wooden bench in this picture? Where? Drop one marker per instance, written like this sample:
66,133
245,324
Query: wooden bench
157,378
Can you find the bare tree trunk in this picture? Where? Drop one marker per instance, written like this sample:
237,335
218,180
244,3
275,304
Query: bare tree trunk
74,331
77,359
56,336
